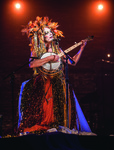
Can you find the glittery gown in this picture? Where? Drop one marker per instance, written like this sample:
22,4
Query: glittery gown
43,104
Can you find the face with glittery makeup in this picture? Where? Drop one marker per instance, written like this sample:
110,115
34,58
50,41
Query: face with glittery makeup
48,35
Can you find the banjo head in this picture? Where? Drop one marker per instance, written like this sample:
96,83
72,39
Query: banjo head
51,65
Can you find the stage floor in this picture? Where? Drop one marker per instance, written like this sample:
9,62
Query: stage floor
57,141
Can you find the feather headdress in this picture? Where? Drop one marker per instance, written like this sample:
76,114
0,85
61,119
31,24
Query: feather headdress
39,24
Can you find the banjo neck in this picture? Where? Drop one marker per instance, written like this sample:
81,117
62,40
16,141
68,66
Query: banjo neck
69,49
74,46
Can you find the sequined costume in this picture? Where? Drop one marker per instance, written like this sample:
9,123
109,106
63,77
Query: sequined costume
43,103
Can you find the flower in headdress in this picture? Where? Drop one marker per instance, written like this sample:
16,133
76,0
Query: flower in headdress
58,33
30,24
38,18
53,25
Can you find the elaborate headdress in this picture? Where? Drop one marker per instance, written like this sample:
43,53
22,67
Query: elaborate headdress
39,24
36,30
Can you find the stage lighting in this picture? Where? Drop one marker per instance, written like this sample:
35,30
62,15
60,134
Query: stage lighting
108,55
100,7
18,5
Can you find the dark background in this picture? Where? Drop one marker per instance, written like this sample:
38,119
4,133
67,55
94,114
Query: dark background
93,77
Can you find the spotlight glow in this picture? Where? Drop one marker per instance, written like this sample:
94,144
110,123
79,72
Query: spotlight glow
108,55
100,7
17,5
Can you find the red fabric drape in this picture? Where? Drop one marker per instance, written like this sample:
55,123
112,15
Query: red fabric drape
48,115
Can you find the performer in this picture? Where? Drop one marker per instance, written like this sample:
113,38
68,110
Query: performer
43,102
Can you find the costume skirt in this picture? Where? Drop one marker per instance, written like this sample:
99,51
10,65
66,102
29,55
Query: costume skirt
43,104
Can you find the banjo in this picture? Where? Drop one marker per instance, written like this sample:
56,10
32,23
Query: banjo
53,67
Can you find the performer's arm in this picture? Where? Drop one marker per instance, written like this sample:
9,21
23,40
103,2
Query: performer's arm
40,62
78,55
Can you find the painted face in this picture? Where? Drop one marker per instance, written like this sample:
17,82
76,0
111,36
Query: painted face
48,35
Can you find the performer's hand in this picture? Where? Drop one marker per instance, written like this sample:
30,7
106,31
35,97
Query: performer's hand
84,42
55,58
